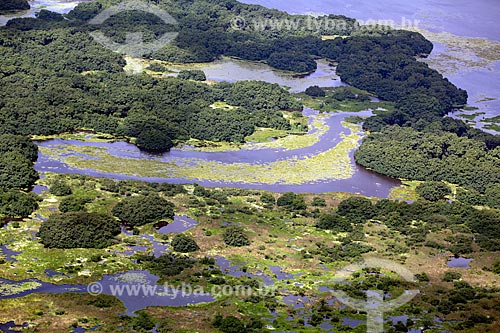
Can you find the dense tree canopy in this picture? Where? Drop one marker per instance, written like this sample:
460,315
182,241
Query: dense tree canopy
17,204
297,62
78,230
20,144
406,153
140,210
433,191
16,171
14,5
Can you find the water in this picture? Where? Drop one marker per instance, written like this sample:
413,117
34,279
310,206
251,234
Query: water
12,327
111,284
156,248
280,275
459,17
233,70
180,224
352,323
363,181
459,262
39,189
8,253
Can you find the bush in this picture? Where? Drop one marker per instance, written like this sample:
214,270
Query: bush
194,74
235,236
433,191
183,243
140,210
451,276
60,188
78,230
229,324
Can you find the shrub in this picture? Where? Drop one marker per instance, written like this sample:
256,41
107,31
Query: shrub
451,276
235,236
183,243
166,264
78,230
140,210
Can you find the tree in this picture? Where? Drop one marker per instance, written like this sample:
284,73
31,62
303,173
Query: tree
140,210
291,201
268,198
60,188
19,144
154,141
235,236
433,191
194,74
17,204
356,209
183,243
334,222
292,61
315,91
78,230
72,204
155,67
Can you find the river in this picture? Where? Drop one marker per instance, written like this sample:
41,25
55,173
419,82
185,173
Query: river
362,180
